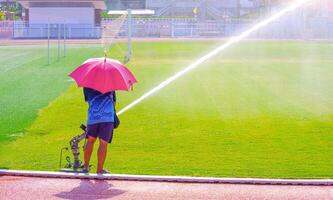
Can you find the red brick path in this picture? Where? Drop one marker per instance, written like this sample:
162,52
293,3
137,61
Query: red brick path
53,188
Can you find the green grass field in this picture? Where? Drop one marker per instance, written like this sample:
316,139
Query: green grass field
28,83
259,109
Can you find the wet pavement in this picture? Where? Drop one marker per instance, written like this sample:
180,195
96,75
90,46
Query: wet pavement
54,188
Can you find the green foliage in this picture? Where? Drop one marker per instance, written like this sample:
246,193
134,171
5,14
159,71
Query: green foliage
260,109
2,15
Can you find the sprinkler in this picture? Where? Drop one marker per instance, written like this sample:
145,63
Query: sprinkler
75,165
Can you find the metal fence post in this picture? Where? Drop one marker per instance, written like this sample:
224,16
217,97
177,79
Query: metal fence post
48,42
129,34
58,42
172,29
13,29
64,40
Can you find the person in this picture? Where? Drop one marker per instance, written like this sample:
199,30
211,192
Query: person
100,122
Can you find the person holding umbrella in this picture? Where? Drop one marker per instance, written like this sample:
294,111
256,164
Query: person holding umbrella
100,78
100,123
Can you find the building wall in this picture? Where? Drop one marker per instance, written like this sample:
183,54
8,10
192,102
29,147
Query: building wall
79,15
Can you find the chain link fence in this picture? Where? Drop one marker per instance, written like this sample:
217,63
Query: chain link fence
301,24
292,28
6,29
70,31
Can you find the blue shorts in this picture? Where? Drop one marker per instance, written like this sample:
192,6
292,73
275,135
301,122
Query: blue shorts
103,131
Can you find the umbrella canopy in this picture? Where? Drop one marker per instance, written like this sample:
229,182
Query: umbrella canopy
103,75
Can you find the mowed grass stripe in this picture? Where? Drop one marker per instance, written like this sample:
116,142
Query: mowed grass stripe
28,83
243,119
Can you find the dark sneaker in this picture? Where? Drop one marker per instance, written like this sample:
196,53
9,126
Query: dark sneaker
104,172
85,170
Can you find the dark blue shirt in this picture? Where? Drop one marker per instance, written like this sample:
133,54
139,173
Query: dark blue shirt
101,106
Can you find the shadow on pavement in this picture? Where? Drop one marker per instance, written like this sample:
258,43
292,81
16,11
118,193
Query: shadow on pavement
90,190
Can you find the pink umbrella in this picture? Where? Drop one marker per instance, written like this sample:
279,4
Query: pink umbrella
103,75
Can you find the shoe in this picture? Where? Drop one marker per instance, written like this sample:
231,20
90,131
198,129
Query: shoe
85,170
104,171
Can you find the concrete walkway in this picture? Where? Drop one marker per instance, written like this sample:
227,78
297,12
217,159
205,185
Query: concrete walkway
14,187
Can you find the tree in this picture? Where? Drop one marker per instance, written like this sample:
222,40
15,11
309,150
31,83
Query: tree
2,15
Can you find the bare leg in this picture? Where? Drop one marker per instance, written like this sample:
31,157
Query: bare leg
101,154
88,150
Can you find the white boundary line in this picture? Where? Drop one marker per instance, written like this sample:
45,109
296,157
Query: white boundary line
179,179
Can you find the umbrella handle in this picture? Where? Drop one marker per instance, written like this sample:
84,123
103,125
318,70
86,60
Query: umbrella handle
105,55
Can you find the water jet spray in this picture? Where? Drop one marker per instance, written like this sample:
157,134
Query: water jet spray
233,40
